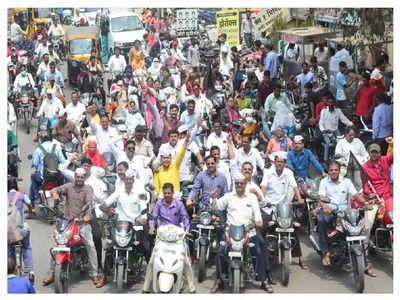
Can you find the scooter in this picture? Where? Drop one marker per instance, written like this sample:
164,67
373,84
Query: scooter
168,266
70,252
345,242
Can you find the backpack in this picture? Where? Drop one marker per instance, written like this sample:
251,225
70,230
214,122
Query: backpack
15,225
50,165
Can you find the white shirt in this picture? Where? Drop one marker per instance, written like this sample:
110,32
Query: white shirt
343,148
203,105
56,31
321,55
338,193
50,108
174,150
104,137
75,112
194,56
117,63
330,120
220,141
21,81
99,188
43,68
277,186
184,170
240,210
41,50
16,32
129,206
254,157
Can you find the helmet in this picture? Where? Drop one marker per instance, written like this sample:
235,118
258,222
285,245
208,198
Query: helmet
14,55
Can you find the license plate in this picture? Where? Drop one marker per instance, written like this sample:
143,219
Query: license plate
205,226
235,254
48,194
64,249
355,238
284,230
138,227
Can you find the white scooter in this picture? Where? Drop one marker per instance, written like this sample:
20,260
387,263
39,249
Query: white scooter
169,259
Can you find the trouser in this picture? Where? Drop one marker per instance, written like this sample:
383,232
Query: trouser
326,142
187,272
26,251
85,231
323,222
369,217
248,38
258,259
157,144
36,182
104,45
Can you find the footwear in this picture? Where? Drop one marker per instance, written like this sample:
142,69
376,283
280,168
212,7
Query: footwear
193,292
101,282
326,261
95,279
219,285
145,292
266,287
368,271
271,279
49,279
303,264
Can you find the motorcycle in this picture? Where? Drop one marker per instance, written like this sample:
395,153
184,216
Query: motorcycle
169,252
219,98
26,58
25,105
280,236
57,42
70,252
345,242
123,249
206,225
239,257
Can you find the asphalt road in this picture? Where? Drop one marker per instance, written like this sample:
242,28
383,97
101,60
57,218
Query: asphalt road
315,280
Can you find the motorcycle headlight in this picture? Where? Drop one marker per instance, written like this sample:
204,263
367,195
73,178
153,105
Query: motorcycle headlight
25,99
62,237
121,240
353,230
205,218
237,245
284,222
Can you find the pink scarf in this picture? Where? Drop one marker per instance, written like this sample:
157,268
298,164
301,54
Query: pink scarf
232,113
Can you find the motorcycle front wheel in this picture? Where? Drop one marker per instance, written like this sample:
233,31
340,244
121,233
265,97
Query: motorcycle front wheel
285,265
27,122
358,264
202,264
236,281
61,278
120,278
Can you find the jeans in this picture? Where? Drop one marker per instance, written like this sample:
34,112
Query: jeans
85,231
26,251
326,142
259,261
36,182
323,222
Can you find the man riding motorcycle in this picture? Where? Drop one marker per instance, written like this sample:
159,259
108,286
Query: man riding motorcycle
22,79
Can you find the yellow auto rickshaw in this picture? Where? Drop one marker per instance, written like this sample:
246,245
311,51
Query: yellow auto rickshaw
42,15
79,45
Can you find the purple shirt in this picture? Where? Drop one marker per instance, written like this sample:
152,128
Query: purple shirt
174,214
206,183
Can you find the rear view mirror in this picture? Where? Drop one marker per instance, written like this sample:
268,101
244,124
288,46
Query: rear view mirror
326,200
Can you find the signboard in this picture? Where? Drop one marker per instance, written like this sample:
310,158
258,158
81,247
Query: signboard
228,23
267,16
186,22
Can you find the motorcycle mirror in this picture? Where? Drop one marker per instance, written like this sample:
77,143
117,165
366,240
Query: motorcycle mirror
325,200
29,156
337,156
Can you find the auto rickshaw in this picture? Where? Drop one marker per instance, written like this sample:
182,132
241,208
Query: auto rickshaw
42,15
79,44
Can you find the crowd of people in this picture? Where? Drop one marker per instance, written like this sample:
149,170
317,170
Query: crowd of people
238,156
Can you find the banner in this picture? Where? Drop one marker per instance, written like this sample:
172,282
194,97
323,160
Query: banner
186,22
228,23
267,16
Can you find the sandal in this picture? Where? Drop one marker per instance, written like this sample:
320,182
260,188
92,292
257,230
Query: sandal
368,271
266,287
303,264
326,261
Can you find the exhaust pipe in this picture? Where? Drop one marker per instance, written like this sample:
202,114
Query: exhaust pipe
314,241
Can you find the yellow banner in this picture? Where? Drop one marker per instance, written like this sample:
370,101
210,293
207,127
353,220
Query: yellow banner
266,17
228,23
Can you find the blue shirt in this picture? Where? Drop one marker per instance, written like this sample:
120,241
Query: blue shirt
303,79
340,82
174,214
57,76
302,162
206,183
28,46
189,120
271,64
382,121
19,285
38,155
